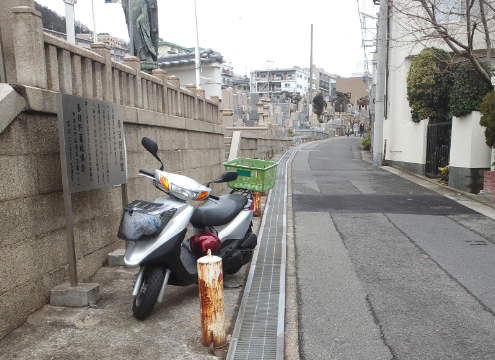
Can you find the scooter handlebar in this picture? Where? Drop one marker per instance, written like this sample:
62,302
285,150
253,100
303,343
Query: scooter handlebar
147,173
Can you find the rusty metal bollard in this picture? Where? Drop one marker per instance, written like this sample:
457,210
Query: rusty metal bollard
210,280
257,204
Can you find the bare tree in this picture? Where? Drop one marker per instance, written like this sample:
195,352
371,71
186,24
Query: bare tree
465,26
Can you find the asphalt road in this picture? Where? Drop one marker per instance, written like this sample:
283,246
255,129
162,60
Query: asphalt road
387,269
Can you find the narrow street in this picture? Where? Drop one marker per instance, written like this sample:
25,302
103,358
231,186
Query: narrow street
387,269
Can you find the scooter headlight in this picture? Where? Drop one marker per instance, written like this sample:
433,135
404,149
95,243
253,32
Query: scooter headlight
186,194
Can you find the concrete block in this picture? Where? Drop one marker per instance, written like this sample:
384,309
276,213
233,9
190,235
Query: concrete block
17,303
46,213
43,134
132,142
15,221
171,139
96,234
91,263
49,173
48,253
16,265
116,258
14,140
17,177
82,295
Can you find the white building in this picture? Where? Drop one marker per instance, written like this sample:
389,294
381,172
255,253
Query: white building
273,82
183,66
227,75
406,143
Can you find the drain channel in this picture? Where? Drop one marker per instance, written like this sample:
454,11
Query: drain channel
259,328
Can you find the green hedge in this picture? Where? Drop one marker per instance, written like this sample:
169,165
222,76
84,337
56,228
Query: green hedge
366,143
467,90
487,108
428,85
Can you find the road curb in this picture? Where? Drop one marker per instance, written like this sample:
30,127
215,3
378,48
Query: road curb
291,305
461,197
458,196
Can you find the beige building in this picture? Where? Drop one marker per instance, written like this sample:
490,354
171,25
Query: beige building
356,86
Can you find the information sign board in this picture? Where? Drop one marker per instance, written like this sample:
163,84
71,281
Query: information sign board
94,143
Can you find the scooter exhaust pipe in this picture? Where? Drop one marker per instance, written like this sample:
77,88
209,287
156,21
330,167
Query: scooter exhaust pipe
139,282
161,295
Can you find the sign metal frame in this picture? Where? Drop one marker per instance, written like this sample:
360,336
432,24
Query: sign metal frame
89,135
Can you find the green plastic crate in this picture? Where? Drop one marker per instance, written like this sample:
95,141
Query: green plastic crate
253,174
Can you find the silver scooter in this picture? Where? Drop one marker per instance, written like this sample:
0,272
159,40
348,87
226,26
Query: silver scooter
156,232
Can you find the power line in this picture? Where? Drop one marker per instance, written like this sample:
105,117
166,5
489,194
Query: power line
365,38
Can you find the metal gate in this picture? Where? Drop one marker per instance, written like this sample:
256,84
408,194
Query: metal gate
437,147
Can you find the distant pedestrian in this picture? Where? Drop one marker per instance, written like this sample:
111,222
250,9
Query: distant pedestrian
361,130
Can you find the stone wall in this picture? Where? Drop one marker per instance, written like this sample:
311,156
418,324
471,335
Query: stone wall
32,247
257,143
183,121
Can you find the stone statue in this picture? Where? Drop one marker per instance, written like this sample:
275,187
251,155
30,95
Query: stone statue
142,22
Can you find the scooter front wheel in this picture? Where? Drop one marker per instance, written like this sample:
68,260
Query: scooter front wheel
143,303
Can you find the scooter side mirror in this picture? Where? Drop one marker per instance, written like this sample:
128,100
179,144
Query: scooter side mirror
226,177
152,148
150,145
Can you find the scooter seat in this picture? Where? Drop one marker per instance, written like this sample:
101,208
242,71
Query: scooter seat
218,212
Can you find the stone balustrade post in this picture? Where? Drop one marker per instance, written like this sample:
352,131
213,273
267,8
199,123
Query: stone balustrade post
192,88
104,50
29,47
227,117
7,62
175,81
201,93
162,95
216,115
133,62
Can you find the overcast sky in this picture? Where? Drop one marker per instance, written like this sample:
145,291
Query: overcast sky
249,33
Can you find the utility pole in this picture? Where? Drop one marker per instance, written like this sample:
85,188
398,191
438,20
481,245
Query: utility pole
69,21
196,57
131,28
310,90
95,35
380,83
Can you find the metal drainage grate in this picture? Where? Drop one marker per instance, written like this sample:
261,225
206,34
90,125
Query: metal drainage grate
259,328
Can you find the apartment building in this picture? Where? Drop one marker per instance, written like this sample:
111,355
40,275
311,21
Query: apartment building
118,47
272,83
325,83
227,75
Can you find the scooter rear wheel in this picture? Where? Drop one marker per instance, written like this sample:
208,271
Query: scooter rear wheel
143,303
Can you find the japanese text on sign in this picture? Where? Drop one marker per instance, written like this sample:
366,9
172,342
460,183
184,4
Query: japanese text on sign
94,143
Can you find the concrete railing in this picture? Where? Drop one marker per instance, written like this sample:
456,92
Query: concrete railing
47,62
256,143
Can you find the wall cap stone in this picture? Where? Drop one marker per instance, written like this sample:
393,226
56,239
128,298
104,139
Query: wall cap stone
45,101
11,105
25,10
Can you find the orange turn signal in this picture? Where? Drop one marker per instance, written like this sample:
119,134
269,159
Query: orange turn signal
164,182
203,195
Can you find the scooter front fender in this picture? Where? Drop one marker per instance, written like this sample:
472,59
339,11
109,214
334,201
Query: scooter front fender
138,252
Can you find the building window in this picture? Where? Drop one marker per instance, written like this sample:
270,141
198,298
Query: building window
451,11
